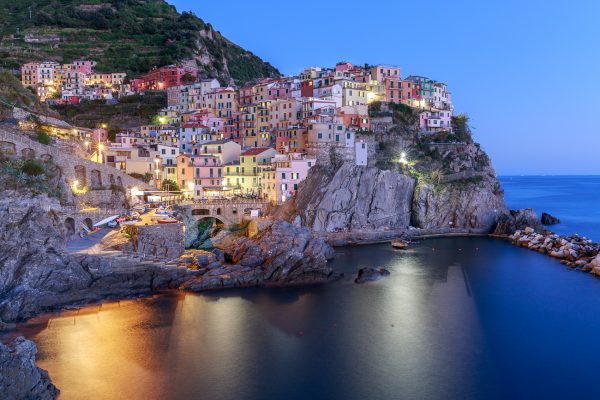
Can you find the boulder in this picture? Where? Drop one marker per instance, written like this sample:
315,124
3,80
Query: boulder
548,219
370,274
516,220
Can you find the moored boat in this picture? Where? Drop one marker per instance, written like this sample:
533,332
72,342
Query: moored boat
400,244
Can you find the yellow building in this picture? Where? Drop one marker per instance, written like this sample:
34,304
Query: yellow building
245,177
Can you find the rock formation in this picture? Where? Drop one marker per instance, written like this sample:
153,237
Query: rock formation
574,251
548,219
36,275
517,220
281,255
370,274
20,378
356,198
437,186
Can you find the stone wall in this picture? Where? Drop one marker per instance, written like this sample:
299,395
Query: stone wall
87,173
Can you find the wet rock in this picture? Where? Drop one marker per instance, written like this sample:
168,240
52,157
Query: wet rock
20,378
370,274
515,220
548,219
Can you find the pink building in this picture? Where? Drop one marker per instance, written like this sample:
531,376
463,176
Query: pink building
84,66
208,175
281,182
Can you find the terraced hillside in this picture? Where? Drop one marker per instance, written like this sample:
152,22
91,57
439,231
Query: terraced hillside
122,35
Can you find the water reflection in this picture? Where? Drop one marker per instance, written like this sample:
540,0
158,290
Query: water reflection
447,324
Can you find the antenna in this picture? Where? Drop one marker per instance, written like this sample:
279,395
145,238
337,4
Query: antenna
30,13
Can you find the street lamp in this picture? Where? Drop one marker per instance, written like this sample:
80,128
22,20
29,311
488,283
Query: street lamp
100,149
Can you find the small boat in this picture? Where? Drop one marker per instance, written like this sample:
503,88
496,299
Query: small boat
167,220
400,244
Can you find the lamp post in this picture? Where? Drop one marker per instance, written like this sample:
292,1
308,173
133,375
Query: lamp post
100,158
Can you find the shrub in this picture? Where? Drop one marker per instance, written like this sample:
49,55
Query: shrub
33,168
43,138
170,185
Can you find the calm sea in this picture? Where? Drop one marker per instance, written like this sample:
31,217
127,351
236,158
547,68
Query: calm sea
460,318
575,200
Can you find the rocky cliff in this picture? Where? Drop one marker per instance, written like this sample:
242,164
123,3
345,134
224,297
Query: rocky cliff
20,378
281,255
411,180
37,275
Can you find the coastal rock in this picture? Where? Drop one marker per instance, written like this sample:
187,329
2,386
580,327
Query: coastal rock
37,276
548,219
281,255
515,220
370,274
20,378
355,198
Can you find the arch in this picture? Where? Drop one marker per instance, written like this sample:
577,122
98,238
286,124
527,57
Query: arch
69,226
46,158
219,211
8,148
201,211
119,182
88,223
95,179
81,175
28,154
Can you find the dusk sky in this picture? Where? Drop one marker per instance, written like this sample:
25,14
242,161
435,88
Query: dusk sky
526,72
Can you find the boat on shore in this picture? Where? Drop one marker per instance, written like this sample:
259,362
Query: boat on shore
167,220
400,244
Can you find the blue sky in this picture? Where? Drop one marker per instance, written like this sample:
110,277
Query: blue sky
527,72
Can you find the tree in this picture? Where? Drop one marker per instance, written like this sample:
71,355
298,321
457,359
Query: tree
461,128
188,78
169,185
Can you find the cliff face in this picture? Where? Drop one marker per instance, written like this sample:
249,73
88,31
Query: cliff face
411,180
281,255
36,275
20,378
354,198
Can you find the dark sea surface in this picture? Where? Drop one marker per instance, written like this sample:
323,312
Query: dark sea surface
459,318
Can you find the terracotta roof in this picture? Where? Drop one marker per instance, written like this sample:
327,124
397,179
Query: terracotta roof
256,151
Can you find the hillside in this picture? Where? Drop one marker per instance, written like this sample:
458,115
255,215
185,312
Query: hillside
122,35
12,93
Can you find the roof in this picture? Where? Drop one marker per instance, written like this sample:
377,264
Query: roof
256,151
194,125
223,141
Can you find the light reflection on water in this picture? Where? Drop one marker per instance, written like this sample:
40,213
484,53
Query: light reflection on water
457,319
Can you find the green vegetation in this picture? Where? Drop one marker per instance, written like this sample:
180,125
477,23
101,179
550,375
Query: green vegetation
170,185
12,93
461,128
122,35
32,168
31,175
43,138
130,111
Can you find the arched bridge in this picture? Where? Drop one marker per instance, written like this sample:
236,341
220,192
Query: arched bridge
229,212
